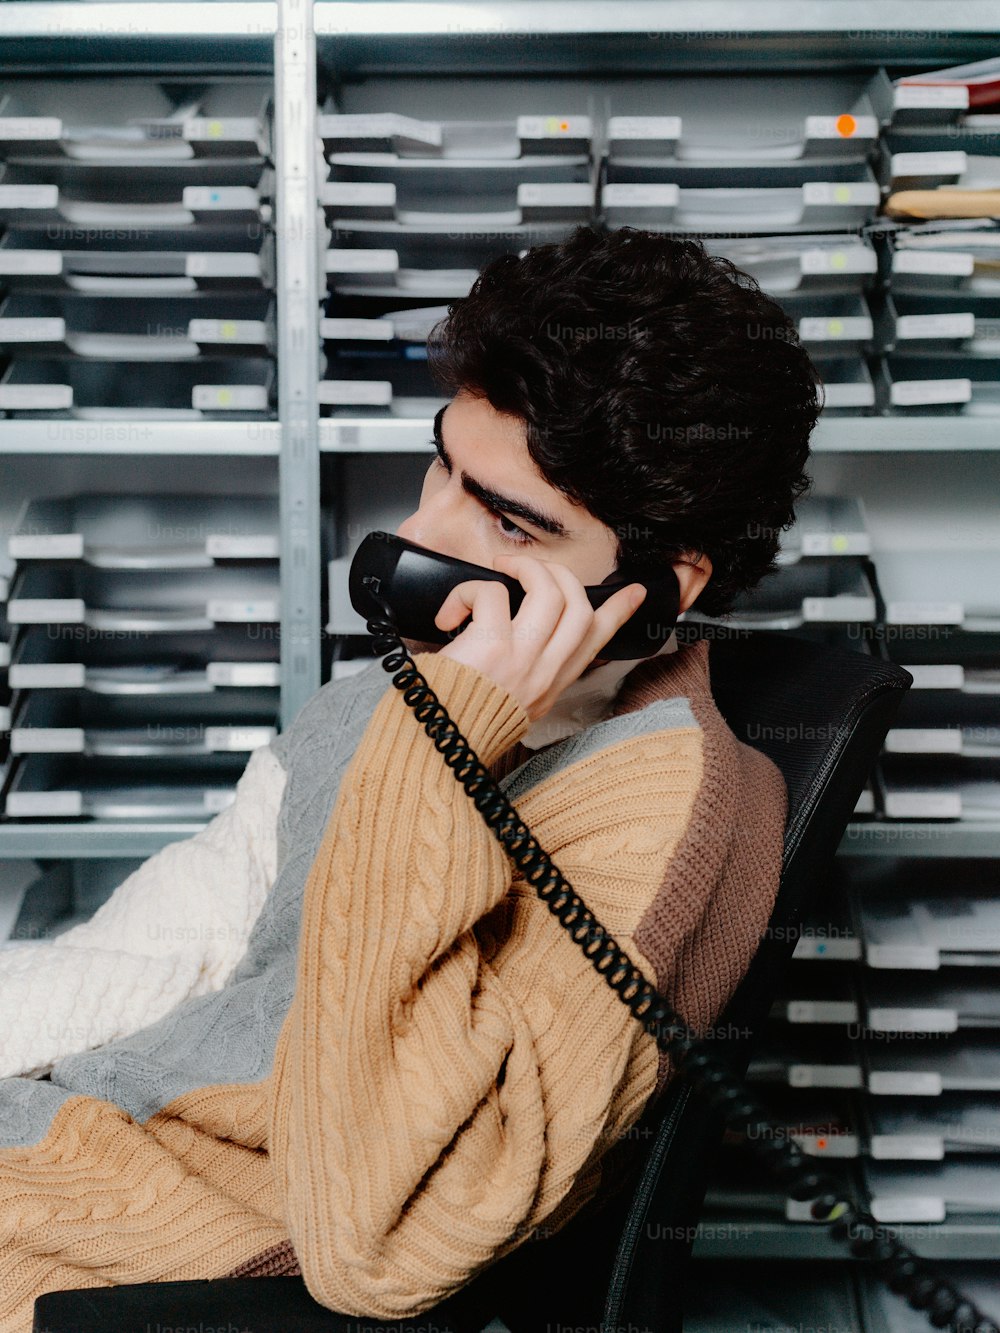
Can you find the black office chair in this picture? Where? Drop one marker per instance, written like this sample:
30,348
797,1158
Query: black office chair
622,1260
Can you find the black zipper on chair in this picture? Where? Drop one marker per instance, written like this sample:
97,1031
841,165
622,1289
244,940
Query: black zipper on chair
618,1283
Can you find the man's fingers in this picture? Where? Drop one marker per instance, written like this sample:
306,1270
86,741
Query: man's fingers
610,617
492,601
627,601
463,598
455,607
557,596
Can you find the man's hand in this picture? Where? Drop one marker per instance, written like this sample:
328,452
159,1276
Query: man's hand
551,641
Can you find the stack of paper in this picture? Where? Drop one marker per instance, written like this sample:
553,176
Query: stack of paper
787,155
933,584
146,532
60,786
936,385
151,329
817,995
138,230
392,173
826,525
940,319
826,1058
820,590
940,148
405,193
980,79
143,653
219,659
823,1122
930,1065
927,1130
823,940
927,931
947,258
919,1002
933,1191
149,121
229,261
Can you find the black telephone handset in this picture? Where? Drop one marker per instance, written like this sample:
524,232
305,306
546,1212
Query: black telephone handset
415,581
399,587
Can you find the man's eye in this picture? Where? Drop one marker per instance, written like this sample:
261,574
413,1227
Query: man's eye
521,538
510,533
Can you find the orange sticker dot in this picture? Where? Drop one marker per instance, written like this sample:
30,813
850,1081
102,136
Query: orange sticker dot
564,125
821,1143
846,125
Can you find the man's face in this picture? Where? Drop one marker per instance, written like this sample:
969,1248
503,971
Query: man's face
490,448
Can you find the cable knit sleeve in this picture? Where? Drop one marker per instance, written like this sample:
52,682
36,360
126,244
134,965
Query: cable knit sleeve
437,1091
175,928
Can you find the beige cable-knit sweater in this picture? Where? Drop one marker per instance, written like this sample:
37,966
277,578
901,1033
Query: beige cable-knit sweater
413,1067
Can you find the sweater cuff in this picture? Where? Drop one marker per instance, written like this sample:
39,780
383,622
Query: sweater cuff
487,715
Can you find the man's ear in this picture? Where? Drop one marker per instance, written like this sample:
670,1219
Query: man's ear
693,571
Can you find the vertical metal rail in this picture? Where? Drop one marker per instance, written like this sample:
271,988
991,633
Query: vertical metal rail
296,234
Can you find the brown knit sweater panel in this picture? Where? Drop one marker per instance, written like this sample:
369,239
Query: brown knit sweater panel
734,842
736,834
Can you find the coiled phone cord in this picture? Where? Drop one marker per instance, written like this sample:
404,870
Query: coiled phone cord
905,1272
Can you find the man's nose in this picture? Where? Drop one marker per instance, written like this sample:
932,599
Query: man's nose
426,529
411,529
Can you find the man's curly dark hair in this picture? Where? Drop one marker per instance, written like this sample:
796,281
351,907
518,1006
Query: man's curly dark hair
659,387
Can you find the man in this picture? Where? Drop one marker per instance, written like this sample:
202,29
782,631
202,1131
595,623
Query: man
375,1059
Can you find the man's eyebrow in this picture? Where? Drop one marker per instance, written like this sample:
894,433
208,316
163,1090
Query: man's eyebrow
505,504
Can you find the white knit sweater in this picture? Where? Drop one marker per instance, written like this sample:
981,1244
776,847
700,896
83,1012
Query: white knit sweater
177,926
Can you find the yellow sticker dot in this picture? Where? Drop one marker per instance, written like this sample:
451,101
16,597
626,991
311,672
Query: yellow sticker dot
842,194
228,329
215,129
838,259
225,397
839,542
835,327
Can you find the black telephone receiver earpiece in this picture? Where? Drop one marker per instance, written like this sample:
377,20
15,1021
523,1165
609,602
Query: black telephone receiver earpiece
415,581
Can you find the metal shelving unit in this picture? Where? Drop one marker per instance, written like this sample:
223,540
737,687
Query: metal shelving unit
371,39
726,1237
140,437
298,353
99,838
836,435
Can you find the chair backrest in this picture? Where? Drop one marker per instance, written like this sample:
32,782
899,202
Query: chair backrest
821,715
